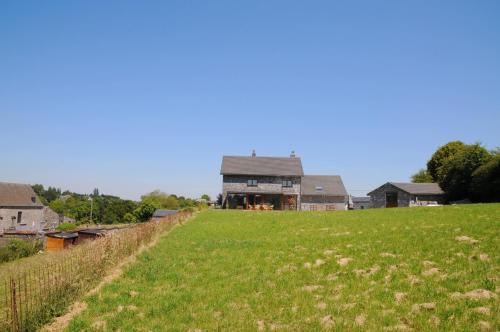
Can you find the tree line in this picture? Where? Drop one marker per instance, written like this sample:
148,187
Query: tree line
108,209
464,171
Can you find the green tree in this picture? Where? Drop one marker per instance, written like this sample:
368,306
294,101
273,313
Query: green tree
144,212
422,176
485,186
161,200
456,173
205,197
442,156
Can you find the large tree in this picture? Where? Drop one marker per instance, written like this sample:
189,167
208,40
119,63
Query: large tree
485,186
421,176
442,156
455,173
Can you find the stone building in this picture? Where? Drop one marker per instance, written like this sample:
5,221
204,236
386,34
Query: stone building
397,194
361,203
275,183
323,192
21,210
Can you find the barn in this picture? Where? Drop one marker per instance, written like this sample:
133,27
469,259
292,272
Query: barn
402,194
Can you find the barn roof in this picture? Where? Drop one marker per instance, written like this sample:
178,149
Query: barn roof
417,188
323,185
18,195
275,166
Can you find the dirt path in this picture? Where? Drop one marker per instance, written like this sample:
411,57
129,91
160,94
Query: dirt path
60,323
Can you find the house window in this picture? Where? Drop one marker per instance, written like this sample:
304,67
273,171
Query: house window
287,184
19,217
252,183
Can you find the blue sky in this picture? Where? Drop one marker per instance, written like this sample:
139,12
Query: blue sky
135,96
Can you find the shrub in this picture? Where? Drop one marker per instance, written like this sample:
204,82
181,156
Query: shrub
66,227
485,186
16,249
130,218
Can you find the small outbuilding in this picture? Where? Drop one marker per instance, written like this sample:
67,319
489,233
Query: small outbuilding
400,194
60,241
361,203
89,234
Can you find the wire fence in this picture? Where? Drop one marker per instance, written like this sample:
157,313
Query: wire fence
36,291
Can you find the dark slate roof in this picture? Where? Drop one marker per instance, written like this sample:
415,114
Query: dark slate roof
62,235
417,188
94,231
361,199
275,166
331,185
18,195
163,213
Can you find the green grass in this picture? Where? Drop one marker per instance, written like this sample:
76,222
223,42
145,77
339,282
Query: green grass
244,271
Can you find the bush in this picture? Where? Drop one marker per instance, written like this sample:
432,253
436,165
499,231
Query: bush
16,249
130,218
66,227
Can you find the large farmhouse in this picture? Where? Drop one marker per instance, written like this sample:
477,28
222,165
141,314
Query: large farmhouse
397,194
21,210
278,183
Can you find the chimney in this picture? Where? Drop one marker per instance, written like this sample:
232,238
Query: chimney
253,153
292,154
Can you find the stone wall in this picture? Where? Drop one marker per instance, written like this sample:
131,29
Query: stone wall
32,219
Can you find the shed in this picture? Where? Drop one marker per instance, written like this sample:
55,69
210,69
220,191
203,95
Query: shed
402,194
90,234
60,241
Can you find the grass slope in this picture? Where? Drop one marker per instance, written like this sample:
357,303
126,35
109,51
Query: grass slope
385,269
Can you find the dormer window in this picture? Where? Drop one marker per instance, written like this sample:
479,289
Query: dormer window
319,188
33,199
252,183
287,184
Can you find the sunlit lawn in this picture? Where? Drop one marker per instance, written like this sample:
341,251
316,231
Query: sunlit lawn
383,269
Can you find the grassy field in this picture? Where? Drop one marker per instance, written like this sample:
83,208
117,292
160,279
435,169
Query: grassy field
421,269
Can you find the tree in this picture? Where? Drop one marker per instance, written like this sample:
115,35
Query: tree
95,193
130,218
219,199
443,155
421,176
205,197
455,174
161,200
40,191
485,186
144,212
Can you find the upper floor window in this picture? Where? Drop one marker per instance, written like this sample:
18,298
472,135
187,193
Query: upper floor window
287,183
252,183
319,188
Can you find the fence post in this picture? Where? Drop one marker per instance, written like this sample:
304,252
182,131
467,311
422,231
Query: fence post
13,305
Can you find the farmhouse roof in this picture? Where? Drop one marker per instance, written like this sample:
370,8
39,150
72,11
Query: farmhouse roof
163,213
18,195
324,185
417,188
276,166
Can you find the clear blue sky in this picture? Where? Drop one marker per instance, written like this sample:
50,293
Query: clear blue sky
135,96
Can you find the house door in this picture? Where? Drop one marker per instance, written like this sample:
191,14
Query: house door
391,199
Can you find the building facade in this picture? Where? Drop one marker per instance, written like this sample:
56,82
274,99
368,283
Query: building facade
21,210
273,183
397,194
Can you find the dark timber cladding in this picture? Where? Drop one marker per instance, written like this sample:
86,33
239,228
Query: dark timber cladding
401,194
278,183
265,183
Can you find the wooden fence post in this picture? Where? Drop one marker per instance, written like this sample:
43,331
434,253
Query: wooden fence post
13,305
